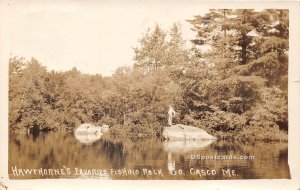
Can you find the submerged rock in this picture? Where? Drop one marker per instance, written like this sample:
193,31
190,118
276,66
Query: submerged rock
185,132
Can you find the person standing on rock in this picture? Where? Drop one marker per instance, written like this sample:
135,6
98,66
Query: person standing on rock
171,114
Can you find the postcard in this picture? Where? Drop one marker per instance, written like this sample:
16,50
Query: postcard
149,94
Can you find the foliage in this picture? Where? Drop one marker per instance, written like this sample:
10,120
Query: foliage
235,89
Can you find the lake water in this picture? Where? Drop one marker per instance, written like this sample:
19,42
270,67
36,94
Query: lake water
62,155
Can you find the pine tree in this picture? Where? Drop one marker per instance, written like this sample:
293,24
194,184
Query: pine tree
150,54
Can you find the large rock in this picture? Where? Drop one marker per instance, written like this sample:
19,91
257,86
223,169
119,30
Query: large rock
185,132
87,129
87,133
105,128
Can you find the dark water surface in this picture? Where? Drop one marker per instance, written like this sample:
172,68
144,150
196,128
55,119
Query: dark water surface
62,155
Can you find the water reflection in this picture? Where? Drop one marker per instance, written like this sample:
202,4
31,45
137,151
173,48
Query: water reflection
111,154
171,162
182,147
87,138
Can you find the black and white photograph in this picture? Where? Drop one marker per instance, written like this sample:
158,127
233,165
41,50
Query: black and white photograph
146,91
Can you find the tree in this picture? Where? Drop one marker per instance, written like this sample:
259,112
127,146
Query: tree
150,55
30,100
227,31
215,29
160,50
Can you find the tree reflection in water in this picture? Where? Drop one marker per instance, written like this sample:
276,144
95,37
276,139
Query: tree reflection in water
54,150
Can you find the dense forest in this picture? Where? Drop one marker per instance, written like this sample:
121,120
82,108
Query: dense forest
232,82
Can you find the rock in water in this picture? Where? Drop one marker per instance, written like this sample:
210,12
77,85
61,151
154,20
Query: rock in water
185,132
87,129
87,133
105,128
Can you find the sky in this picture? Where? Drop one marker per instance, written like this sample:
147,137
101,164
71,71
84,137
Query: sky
96,37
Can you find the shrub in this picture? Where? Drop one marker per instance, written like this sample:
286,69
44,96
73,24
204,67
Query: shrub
266,133
153,129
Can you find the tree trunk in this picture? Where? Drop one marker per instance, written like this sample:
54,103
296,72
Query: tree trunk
244,50
244,55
